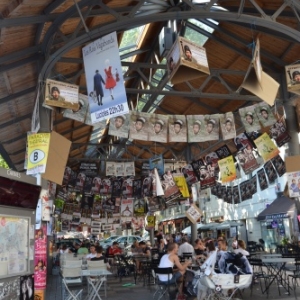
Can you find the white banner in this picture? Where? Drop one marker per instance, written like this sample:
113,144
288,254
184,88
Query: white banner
103,72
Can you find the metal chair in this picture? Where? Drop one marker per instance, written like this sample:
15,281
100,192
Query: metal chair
72,284
163,286
97,264
294,277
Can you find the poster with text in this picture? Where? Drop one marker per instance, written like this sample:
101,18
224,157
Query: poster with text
294,184
279,133
103,72
266,148
127,207
227,169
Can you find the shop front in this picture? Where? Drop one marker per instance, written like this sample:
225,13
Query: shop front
279,223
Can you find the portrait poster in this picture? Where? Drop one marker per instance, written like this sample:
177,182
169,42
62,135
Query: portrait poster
235,194
212,127
181,184
119,126
129,168
223,152
265,114
110,168
171,190
158,128
120,170
243,141
247,160
139,126
211,161
279,133
227,169
243,190
196,165
207,177
104,78
294,184
139,206
196,128
227,124
96,185
80,180
270,171
279,165
193,213
292,73
127,207
61,94
189,174
78,114
137,188
40,258
106,186
177,128
262,179
127,187
117,187
266,148
26,287
249,118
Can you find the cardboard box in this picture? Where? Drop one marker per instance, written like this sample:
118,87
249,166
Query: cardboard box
186,61
292,163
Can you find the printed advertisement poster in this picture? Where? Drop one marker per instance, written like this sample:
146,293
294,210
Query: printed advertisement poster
127,207
227,169
38,147
79,113
294,184
177,129
119,126
266,148
27,287
105,83
40,258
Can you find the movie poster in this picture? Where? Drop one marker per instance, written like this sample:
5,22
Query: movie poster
158,128
127,207
262,179
196,165
249,118
211,161
253,185
279,133
227,125
106,186
137,188
127,187
171,191
207,176
196,128
105,83
242,141
117,187
247,160
266,148
294,184
227,169
139,207
279,165
189,174
244,191
119,126
96,185
270,171
177,129
139,126
181,184
78,114
235,194
265,114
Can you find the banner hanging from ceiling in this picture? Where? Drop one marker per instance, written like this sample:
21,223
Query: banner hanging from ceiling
103,72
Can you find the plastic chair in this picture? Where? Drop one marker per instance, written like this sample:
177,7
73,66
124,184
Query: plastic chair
163,286
72,283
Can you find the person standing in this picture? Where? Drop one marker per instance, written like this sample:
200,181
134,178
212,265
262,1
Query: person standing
98,80
110,82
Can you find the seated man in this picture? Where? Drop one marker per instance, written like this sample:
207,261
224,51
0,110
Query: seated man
168,261
114,249
185,247
146,251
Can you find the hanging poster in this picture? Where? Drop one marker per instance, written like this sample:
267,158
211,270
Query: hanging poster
227,126
211,127
265,114
120,170
227,169
150,222
193,213
279,165
158,128
106,186
270,171
211,161
88,184
137,188
171,190
139,126
207,177
80,182
247,160
119,126
279,133
249,118
139,206
108,204
177,128
110,168
293,78
96,185
147,186
38,147
262,179
117,187
266,148
235,194
127,207
253,185
181,184
243,141
245,192
158,163
153,203
223,152
127,187
228,195
196,165
35,120
79,113
196,128
294,184
103,72
189,174
129,168
40,258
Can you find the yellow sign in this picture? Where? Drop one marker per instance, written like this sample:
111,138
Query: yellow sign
181,184
151,222
227,169
266,148
38,147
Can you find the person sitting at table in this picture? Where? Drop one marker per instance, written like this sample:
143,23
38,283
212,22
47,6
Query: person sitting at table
114,249
146,251
168,261
241,248
185,247
83,249
135,248
100,256
199,249
92,253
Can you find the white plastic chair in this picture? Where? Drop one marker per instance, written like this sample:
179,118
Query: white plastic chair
97,264
72,283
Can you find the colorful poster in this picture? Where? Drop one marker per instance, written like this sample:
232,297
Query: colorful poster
158,163
40,258
105,83
247,160
294,184
265,115
150,222
262,179
78,114
127,207
227,169
127,187
279,133
266,148
249,118
211,161
243,141
119,126
139,206
27,287
177,129
196,165
158,128
227,126
181,184
171,191
38,147
189,174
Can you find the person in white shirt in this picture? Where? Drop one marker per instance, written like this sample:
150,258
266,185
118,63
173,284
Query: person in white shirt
241,248
185,247
93,252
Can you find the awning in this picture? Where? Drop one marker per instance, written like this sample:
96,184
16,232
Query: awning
213,226
173,218
281,207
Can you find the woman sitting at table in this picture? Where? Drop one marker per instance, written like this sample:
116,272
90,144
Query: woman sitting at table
135,248
241,248
200,249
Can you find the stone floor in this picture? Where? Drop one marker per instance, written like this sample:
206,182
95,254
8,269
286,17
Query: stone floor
126,289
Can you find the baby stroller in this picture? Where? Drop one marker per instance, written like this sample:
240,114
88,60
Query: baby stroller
222,286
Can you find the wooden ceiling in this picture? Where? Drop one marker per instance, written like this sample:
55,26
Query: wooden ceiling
43,39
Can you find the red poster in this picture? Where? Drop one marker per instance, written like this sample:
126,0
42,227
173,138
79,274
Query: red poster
40,258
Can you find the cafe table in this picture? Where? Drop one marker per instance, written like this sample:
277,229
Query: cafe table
100,276
275,267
